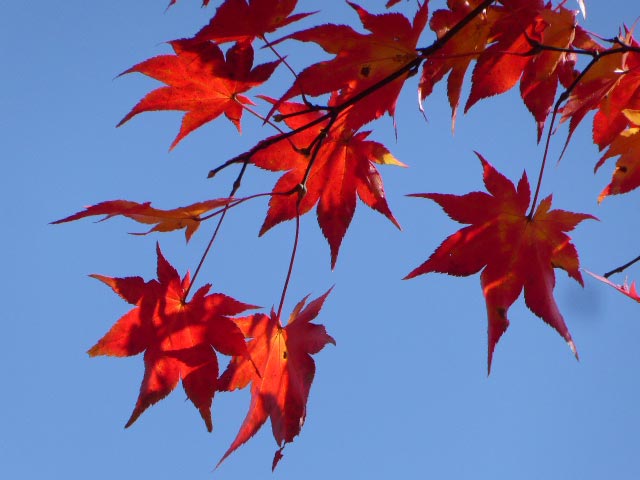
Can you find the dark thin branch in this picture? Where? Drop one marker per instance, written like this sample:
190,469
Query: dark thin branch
286,64
409,69
622,268
439,43
293,255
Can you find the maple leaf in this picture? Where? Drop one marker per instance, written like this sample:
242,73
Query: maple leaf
257,17
609,86
513,251
343,169
456,55
188,217
361,61
502,40
626,289
626,145
201,82
283,358
178,337
624,95
540,77
501,65
516,28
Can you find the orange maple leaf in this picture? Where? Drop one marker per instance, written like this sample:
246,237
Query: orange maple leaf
513,251
343,169
361,61
178,337
201,82
243,21
283,358
188,217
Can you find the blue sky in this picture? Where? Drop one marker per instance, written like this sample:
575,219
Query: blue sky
404,394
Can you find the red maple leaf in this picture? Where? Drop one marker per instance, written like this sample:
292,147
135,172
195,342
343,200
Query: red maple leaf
502,39
513,251
506,61
243,21
610,119
456,55
283,357
343,169
500,66
201,82
609,86
178,337
188,217
626,146
361,61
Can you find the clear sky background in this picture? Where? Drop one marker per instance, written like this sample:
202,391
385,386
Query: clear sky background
404,394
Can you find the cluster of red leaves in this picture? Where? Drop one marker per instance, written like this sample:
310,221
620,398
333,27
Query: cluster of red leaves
361,61
537,45
502,41
612,88
180,339
205,84
329,162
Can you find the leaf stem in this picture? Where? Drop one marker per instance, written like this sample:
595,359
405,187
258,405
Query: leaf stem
234,189
556,108
293,255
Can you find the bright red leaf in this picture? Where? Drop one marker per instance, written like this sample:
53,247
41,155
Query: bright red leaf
502,41
610,119
361,61
179,337
457,54
343,169
500,66
283,358
188,217
201,82
243,21
598,89
513,251
626,146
